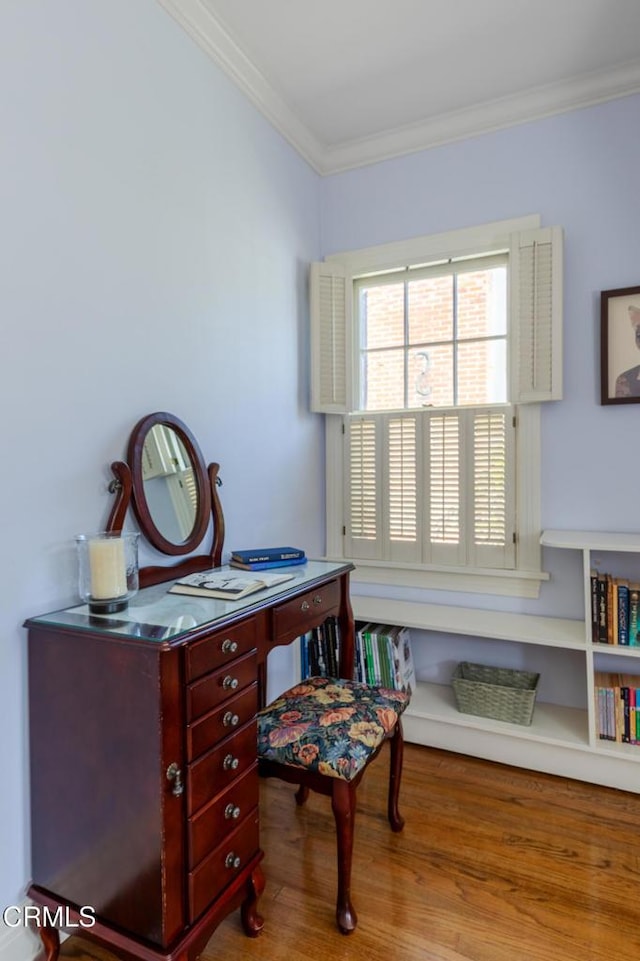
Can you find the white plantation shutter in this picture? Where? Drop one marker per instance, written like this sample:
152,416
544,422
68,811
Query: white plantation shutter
363,495
491,544
457,511
331,297
402,488
444,538
535,272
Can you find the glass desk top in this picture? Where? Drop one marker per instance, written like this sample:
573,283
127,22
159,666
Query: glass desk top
155,615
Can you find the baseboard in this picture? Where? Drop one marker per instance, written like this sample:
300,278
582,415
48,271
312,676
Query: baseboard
19,944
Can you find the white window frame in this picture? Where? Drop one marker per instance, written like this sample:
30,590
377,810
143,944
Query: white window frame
527,387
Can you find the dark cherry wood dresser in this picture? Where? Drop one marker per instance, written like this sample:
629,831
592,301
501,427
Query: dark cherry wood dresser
144,784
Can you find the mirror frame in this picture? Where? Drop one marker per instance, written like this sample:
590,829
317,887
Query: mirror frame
154,535
129,487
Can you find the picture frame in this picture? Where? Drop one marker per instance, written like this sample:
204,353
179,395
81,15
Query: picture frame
620,346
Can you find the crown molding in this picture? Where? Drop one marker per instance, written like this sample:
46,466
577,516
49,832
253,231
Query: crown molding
201,25
482,118
535,104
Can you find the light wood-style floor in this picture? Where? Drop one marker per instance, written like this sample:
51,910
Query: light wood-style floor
494,864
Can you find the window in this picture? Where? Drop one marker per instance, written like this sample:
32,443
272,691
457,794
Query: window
433,357
434,336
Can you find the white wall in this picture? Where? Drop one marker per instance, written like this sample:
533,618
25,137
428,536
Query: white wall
579,170
154,236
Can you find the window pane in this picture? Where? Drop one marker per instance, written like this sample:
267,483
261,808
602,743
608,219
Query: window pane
431,377
430,310
383,380
482,303
382,312
482,372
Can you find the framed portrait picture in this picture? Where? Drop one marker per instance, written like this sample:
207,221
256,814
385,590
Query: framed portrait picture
620,346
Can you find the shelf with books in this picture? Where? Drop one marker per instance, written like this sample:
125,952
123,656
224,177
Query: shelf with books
383,655
563,737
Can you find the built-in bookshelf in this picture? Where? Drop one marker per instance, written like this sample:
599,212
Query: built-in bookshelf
562,739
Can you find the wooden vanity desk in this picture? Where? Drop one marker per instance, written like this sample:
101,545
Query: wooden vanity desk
144,779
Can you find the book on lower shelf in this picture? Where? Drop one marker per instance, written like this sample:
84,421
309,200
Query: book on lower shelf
320,650
226,584
384,657
617,707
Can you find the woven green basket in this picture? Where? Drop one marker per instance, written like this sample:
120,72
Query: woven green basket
496,692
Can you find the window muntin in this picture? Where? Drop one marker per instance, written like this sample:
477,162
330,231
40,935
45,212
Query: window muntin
433,336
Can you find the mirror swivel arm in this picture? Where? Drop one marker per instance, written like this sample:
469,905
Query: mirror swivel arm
121,486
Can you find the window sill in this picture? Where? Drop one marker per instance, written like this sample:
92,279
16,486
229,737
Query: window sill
470,580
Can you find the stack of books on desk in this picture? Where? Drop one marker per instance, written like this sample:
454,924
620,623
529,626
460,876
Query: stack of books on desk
264,558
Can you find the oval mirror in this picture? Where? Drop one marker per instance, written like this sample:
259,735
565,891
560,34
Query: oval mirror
171,495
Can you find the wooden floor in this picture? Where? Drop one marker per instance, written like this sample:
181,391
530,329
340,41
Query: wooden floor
494,864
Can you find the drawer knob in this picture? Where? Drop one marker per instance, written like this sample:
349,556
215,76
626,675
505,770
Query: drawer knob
175,774
232,812
230,762
230,720
232,860
317,600
230,683
229,646
304,606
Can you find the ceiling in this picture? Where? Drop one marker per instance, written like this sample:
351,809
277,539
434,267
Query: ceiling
351,82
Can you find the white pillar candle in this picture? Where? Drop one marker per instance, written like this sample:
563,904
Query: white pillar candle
107,567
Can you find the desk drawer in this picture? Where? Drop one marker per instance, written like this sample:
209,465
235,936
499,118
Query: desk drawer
220,868
304,612
212,689
214,771
227,717
222,815
221,647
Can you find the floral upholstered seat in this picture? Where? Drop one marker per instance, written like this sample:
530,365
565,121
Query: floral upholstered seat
321,735
329,725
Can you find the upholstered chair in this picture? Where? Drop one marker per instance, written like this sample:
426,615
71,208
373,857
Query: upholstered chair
321,735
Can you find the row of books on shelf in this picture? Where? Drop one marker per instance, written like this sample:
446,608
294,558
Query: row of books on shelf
615,610
320,650
617,701
383,655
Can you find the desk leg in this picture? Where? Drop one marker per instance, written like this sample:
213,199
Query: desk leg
347,631
252,922
50,938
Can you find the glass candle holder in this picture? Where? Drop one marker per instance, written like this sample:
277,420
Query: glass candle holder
107,570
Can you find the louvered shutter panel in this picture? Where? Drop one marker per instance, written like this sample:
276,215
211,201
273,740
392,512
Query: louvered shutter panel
491,442
364,490
535,268
330,339
445,520
402,493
